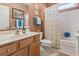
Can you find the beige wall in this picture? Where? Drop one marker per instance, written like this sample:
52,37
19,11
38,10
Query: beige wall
32,14
27,9
19,6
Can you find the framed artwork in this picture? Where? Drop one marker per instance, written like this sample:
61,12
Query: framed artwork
17,14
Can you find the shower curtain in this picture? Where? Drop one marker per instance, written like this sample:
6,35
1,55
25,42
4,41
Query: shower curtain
52,25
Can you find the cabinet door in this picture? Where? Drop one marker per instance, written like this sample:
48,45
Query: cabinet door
34,49
26,42
26,51
37,38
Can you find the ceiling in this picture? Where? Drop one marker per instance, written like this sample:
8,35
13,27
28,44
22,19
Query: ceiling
47,4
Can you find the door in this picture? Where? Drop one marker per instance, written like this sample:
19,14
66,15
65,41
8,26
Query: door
34,49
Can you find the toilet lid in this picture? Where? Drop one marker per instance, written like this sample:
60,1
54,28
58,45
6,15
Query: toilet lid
45,44
46,41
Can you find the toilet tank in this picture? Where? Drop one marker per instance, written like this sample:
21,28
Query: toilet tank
41,35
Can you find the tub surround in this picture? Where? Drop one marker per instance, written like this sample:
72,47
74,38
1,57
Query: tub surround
68,47
20,45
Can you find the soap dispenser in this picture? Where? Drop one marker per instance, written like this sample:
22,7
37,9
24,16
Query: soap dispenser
19,24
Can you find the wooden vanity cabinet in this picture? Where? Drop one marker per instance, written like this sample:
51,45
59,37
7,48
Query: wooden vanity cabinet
37,53
3,51
25,42
26,47
37,38
19,53
8,49
26,52
34,49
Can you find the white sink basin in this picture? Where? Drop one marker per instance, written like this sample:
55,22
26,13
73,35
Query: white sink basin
6,36
13,37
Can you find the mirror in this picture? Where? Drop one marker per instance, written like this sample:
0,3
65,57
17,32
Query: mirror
4,17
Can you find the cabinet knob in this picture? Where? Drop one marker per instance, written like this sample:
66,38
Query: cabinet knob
8,50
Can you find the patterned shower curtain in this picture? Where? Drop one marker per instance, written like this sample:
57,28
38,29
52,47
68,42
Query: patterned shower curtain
52,25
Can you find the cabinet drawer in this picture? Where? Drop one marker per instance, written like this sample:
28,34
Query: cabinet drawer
37,38
12,48
8,49
3,51
26,42
19,53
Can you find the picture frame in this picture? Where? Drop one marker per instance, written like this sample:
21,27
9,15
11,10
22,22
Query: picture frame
17,14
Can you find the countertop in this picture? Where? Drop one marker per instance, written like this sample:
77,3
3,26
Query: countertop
4,39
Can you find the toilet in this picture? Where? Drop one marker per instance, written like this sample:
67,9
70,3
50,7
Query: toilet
46,45
45,42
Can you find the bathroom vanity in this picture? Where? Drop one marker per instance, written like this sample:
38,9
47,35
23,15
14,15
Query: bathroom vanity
20,45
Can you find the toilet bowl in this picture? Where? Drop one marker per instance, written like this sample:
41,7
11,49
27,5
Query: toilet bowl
45,42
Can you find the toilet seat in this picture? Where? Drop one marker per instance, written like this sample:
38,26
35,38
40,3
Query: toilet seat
46,42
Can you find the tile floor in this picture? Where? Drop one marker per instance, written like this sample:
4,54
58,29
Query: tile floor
48,51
